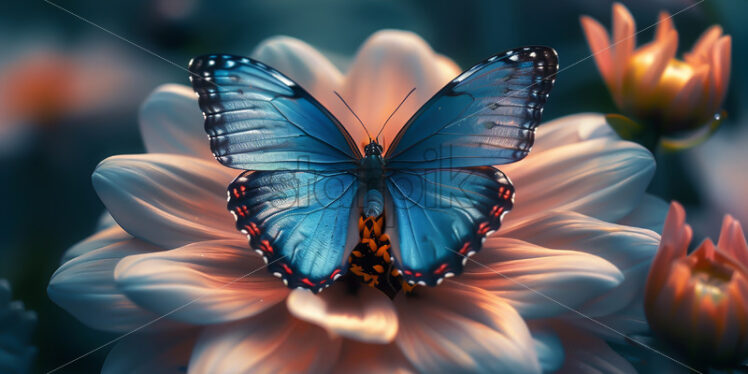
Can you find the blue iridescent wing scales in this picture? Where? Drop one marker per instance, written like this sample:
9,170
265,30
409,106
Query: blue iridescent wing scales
485,116
259,119
299,221
441,217
444,195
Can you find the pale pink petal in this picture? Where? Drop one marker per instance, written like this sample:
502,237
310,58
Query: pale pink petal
273,342
627,321
539,282
572,129
664,26
599,177
732,240
168,200
201,283
306,66
388,65
624,41
171,122
699,54
586,354
628,248
151,353
366,315
98,240
84,286
459,328
649,214
720,63
363,358
599,42
676,236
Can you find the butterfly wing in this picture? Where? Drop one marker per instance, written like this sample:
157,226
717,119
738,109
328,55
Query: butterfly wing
299,221
445,197
485,116
441,217
296,204
259,119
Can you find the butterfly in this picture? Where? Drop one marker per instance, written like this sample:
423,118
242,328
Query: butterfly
307,185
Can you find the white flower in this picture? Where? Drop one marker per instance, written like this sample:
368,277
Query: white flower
570,241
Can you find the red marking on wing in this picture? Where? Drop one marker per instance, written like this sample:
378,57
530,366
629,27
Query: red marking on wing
287,269
497,210
441,269
242,211
334,273
483,228
265,246
465,248
308,282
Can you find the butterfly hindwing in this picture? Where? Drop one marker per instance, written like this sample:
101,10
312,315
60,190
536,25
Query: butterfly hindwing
298,221
485,116
259,119
440,217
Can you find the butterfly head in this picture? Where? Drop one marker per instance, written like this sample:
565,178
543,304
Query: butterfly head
373,148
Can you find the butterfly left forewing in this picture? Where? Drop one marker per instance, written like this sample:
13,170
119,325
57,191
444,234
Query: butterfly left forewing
296,203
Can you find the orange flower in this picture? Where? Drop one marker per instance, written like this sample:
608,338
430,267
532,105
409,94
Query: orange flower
699,302
649,83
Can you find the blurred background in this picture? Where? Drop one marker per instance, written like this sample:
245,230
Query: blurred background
69,97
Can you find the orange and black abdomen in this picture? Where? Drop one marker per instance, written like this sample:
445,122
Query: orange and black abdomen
371,261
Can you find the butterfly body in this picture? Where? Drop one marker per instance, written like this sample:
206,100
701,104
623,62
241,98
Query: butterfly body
307,184
372,179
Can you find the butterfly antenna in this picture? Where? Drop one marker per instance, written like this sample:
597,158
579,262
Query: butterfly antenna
395,111
354,113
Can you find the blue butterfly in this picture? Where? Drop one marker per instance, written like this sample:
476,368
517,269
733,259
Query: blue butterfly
310,184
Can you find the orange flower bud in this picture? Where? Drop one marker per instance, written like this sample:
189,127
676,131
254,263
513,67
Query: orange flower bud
649,83
699,302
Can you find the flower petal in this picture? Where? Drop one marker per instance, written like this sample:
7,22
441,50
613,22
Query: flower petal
363,358
549,348
272,342
732,240
630,249
151,353
676,236
167,200
599,42
102,238
366,315
649,214
602,177
571,129
306,66
539,282
201,283
389,64
171,122
84,286
624,41
458,328
586,354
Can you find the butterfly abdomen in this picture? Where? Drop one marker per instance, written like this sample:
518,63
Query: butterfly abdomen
371,261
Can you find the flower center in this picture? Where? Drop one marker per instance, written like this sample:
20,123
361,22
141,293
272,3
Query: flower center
711,278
